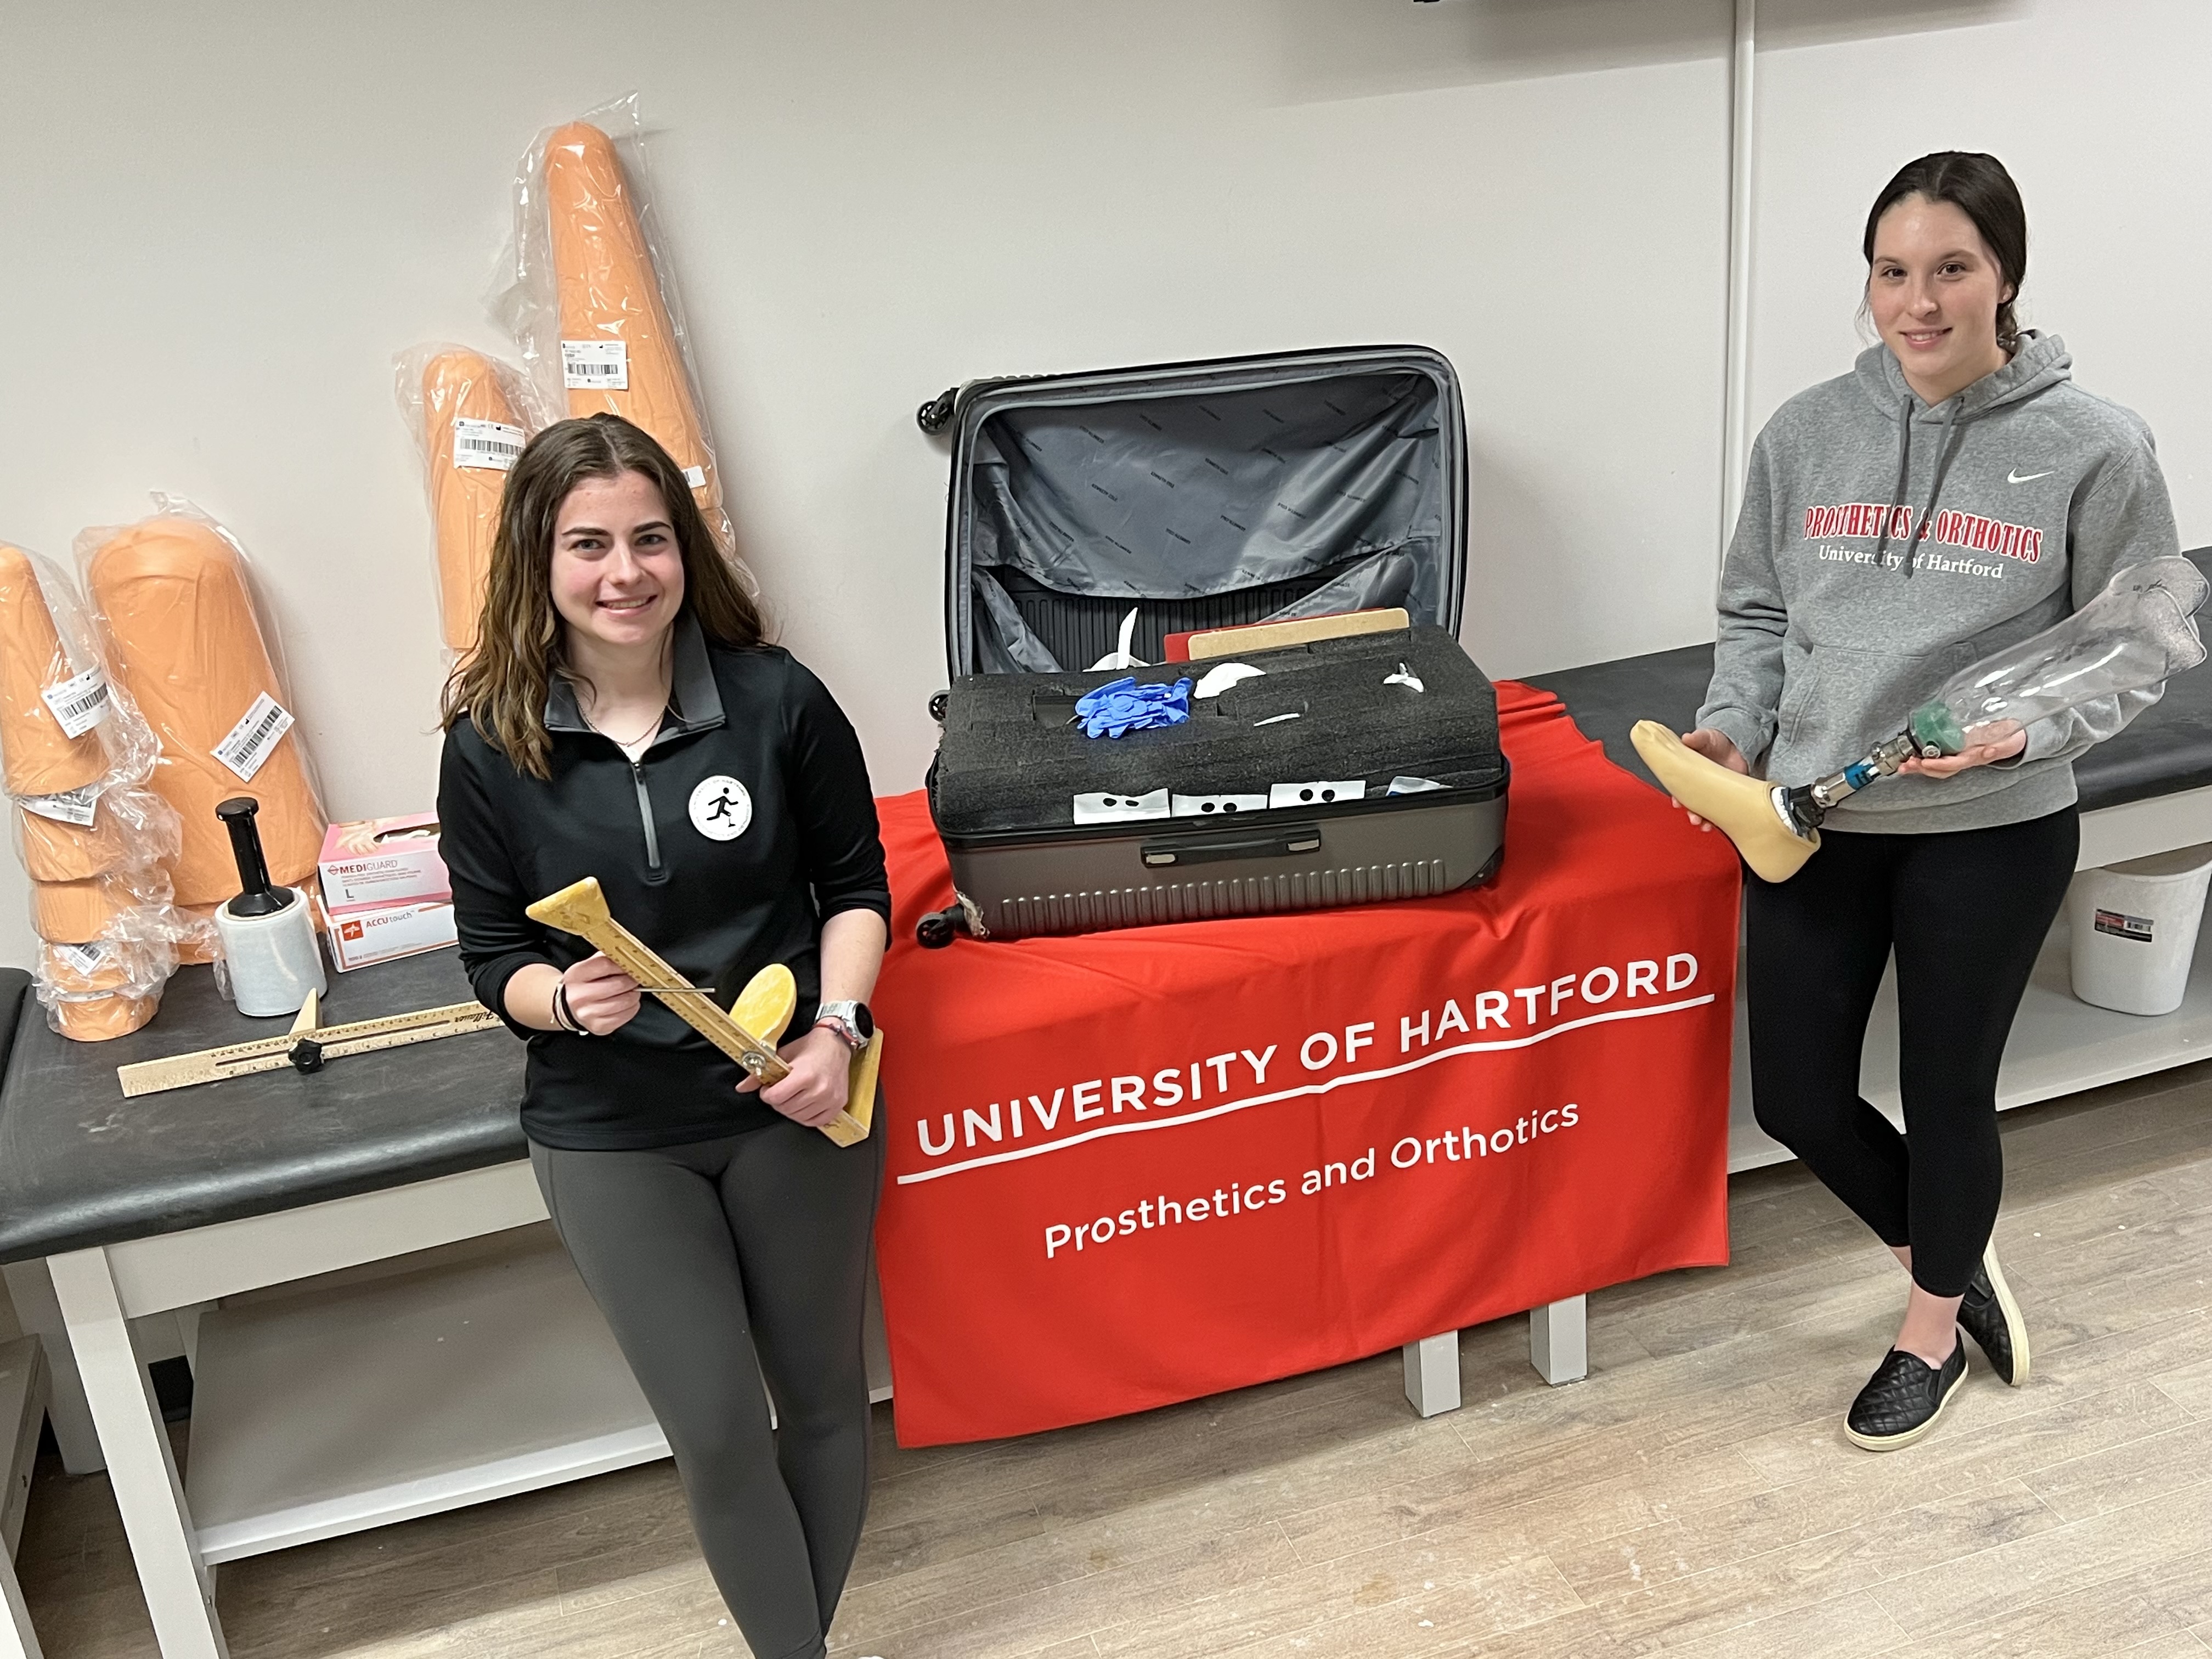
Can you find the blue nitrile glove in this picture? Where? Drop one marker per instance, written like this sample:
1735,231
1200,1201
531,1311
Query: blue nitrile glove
1123,705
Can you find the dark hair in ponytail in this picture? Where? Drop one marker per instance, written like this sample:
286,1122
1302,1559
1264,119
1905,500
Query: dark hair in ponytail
1980,188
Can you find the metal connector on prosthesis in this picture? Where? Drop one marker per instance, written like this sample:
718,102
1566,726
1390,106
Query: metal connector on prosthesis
1803,808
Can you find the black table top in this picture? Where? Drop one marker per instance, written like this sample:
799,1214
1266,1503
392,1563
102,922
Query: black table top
80,1165
2166,749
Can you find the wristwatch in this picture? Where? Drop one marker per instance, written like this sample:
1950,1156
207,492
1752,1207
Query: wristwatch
851,1021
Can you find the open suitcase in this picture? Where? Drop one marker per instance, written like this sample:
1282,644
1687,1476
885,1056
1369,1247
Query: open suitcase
1201,496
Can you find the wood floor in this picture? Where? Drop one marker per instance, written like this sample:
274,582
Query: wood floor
1695,1495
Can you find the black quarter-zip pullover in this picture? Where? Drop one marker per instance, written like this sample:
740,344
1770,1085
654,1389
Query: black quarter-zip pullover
750,735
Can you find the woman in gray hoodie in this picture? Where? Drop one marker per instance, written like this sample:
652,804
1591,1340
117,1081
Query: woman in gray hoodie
1953,493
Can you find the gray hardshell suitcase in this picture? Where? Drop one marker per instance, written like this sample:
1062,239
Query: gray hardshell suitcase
1197,496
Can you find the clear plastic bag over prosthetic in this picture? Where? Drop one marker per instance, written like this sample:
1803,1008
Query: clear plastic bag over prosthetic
91,835
470,416
2139,632
175,604
58,732
593,303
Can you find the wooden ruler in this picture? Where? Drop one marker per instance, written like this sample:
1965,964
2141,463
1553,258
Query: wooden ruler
582,910
305,1046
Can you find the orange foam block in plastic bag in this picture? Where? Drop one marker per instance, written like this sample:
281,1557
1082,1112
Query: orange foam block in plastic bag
465,499
111,994
54,851
41,759
609,293
184,641
102,1019
73,912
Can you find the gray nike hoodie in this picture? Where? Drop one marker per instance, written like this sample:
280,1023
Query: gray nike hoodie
1884,545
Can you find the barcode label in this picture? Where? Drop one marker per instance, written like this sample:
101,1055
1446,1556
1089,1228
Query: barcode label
77,806
696,476
595,365
79,703
254,738
486,444
2121,926
85,959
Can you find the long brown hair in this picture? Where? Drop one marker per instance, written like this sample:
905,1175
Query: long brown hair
501,682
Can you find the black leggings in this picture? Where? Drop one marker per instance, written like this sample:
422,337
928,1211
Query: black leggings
718,1263
1966,912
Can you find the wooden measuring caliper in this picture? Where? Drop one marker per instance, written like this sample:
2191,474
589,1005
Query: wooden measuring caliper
747,1033
765,1007
304,1047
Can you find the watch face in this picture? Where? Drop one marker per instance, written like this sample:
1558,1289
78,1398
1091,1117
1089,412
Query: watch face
854,1016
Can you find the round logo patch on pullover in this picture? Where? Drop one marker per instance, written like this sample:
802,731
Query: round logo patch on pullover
720,808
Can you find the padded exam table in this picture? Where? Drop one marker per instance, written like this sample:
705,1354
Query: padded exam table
172,1201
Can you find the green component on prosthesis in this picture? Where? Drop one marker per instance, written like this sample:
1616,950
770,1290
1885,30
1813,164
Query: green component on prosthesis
1934,726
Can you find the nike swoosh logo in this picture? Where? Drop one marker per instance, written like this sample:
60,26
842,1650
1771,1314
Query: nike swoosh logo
2026,478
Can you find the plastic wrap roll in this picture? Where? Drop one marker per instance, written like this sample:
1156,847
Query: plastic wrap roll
602,325
54,851
41,757
170,595
275,960
471,416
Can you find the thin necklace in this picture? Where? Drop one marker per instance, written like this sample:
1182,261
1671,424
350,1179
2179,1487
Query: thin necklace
623,743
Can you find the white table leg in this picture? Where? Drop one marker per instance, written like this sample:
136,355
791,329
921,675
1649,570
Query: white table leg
1559,1340
1432,1373
17,1639
32,1293
178,1589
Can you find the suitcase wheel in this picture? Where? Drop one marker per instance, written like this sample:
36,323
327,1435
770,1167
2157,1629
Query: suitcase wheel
932,417
940,927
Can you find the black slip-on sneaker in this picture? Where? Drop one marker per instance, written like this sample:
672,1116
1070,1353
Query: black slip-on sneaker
1903,1399
1989,1313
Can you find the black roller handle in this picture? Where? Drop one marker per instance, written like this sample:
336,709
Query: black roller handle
257,895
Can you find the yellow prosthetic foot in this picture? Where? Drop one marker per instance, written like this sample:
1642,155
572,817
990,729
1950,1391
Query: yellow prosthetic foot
765,1006
1745,809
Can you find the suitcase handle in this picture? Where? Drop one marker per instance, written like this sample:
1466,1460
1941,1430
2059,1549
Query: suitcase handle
1210,846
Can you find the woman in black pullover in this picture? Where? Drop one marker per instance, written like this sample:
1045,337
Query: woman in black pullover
623,717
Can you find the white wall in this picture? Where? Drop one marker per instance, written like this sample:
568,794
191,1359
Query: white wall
219,227
2098,107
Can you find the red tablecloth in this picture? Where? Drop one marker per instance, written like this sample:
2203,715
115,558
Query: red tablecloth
1136,1167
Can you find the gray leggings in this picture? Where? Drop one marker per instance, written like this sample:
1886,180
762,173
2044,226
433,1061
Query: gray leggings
717,1263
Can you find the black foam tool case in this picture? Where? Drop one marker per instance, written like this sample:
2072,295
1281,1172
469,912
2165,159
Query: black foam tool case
1194,496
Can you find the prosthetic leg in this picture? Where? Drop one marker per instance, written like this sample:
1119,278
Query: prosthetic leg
2138,633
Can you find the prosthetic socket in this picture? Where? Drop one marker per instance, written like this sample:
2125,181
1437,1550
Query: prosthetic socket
2137,633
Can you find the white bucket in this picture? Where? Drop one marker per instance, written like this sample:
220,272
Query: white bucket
2133,929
